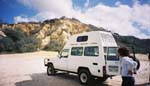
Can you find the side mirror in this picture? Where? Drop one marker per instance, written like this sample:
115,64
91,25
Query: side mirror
59,55
58,51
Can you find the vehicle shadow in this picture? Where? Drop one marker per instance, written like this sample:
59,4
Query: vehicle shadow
145,84
60,79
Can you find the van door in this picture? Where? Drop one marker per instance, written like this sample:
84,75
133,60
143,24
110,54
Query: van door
112,61
62,62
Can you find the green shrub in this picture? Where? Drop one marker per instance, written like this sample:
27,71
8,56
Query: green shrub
6,44
15,35
54,46
28,44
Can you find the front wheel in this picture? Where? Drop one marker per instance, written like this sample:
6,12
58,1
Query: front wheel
84,77
50,70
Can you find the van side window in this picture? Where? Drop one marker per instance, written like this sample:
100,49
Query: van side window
77,51
91,51
82,38
112,54
64,53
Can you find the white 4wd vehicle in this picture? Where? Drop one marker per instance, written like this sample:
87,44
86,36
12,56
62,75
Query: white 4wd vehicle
90,55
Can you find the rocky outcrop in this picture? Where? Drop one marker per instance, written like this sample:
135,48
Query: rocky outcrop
58,31
50,31
2,34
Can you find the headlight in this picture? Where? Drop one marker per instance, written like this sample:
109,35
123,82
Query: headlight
46,61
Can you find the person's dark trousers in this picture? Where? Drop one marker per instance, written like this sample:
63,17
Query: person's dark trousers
128,81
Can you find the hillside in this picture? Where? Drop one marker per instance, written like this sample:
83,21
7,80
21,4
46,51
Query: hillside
53,34
140,45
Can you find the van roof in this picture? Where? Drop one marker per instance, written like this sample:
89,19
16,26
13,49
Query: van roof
104,38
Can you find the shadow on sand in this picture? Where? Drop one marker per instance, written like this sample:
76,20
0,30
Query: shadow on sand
61,79
146,84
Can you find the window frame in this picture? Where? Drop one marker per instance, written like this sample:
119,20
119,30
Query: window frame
94,52
82,38
79,51
116,59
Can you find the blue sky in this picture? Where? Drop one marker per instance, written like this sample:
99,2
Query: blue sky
110,14
11,8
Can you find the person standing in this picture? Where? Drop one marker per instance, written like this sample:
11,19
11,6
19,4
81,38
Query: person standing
127,67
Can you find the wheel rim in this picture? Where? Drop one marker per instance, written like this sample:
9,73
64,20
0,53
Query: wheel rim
83,77
49,70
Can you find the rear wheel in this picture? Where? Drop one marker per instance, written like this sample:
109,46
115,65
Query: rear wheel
50,70
84,76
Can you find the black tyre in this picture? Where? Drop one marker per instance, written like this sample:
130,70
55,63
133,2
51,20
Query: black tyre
85,77
138,64
50,70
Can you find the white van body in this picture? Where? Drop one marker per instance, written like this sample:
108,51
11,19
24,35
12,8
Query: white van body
96,51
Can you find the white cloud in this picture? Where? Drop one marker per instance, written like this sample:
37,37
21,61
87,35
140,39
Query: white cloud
20,19
141,15
118,19
23,19
46,15
61,7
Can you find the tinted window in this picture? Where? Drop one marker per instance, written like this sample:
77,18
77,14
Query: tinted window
91,51
77,51
112,54
82,38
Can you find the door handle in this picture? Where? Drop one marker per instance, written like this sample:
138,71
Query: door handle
95,63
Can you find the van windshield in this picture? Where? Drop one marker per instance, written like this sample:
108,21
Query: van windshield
112,54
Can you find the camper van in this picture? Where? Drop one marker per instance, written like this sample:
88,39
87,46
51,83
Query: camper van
91,55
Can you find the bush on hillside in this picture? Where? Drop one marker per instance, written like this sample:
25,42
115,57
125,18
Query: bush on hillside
6,44
15,35
28,44
54,46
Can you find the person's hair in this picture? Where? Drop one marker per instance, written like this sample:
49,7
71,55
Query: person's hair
123,51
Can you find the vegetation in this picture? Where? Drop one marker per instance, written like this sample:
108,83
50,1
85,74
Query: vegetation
15,35
27,44
6,44
139,45
17,41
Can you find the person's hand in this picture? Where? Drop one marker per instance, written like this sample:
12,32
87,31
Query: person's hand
134,70
130,72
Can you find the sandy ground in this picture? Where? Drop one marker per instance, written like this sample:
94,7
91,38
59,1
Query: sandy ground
28,70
